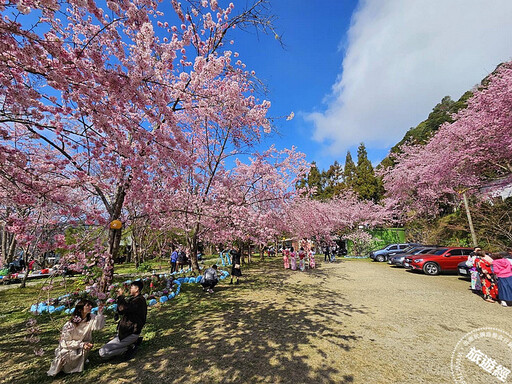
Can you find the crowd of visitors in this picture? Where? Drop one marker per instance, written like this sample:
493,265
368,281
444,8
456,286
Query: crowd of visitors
491,275
302,259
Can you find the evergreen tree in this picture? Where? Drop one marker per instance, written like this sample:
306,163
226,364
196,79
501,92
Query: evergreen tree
366,184
333,180
315,180
349,172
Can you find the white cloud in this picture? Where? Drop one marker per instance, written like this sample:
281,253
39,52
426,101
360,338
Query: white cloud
402,57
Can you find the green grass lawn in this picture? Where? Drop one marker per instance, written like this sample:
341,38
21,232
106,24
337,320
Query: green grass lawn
22,365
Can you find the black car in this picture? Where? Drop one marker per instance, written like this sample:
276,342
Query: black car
385,256
463,270
398,259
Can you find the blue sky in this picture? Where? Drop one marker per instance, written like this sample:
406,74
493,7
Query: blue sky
355,71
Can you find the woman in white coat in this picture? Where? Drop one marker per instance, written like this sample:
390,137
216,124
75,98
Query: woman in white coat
76,339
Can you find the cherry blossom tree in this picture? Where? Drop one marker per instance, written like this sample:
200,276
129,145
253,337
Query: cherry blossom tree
241,203
309,218
463,156
35,203
118,94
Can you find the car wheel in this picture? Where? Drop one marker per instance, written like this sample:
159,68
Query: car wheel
380,258
431,268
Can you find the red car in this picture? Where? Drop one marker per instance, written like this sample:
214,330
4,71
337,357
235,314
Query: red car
441,260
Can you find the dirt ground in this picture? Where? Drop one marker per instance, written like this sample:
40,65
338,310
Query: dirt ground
352,321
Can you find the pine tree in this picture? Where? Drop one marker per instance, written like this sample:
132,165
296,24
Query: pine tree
349,172
366,184
333,180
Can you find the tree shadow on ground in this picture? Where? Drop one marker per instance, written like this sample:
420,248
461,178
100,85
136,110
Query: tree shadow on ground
285,334
265,330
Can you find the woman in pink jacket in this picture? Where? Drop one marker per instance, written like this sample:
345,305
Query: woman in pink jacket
503,270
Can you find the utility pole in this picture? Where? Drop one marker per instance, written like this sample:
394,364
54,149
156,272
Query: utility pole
470,221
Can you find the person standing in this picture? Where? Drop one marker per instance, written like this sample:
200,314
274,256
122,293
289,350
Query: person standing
312,263
489,286
293,260
181,259
174,259
286,259
326,253
236,269
302,255
76,339
476,285
133,313
503,270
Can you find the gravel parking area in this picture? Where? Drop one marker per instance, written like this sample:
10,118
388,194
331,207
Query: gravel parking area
402,326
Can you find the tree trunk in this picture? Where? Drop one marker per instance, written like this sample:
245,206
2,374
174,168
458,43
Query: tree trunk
8,246
242,253
3,244
135,251
192,246
114,239
25,257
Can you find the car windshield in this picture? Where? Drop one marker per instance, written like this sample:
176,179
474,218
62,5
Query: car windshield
423,251
440,251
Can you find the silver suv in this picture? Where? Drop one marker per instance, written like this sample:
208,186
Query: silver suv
382,254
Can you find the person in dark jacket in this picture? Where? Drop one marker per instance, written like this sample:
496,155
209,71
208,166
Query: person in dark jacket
133,312
210,279
236,269
182,259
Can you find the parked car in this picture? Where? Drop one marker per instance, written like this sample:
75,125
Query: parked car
399,258
463,270
381,254
440,260
409,249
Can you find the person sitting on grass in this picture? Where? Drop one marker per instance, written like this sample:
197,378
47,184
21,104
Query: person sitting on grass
210,279
133,313
76,339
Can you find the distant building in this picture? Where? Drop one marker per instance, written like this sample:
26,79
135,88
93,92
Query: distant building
501,187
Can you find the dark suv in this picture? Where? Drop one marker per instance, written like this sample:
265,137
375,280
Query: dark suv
398,258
